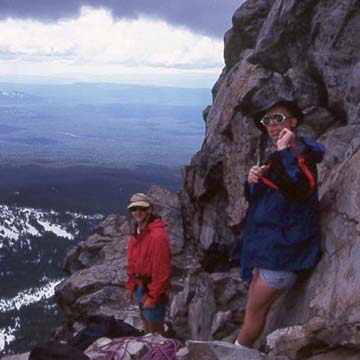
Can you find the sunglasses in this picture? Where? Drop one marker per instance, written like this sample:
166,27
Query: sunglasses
138,208
278,118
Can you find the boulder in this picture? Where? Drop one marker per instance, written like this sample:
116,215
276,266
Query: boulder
315,340
167,205
247,22
24,356
216,350
209,306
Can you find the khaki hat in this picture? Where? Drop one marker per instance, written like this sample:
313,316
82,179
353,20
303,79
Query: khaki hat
139,199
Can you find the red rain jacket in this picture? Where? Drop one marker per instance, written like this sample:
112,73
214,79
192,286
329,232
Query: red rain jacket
149,256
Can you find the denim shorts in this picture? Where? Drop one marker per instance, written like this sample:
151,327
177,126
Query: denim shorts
152,315
278,279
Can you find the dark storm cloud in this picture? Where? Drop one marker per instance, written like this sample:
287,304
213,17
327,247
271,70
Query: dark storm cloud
211,17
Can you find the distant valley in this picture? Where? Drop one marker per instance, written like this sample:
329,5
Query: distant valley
132,128
70,155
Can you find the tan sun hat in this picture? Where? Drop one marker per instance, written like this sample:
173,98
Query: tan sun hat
139,199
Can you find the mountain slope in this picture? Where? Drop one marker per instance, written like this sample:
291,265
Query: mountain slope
33,244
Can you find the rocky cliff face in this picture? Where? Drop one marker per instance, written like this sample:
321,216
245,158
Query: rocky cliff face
303,50
307,51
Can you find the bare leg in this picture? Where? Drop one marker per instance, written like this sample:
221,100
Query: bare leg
146,326
261,297
157,328
152,328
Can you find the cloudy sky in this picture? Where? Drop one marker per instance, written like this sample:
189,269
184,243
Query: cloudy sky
151,41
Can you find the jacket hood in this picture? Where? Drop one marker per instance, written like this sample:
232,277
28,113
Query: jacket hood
157,223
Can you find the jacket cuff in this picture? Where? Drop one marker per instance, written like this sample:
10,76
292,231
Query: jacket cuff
131,284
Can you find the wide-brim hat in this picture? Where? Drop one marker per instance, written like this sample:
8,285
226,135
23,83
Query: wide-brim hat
291,105
139,199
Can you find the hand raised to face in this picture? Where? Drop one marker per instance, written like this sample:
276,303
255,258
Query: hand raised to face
286,136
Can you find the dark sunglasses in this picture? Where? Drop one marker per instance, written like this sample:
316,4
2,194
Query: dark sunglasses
138,208
278,118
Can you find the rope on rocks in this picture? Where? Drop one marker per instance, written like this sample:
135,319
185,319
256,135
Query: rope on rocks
117,349
163,351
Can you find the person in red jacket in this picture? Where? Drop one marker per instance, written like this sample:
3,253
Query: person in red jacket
148,267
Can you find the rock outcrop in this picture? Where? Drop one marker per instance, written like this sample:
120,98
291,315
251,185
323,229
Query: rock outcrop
16,357
216,350
306,51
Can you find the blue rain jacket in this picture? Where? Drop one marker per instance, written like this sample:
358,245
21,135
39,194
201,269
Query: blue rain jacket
282,230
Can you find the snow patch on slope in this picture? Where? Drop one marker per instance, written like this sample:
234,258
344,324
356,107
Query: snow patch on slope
23,298
17,222
29,296
6,333
56,229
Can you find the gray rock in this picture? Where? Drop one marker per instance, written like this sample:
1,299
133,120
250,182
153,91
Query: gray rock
313,340
231,292
100,246
217,350
215,89
220,319
183,353
17,357
339,354
334,30
206,112
167,205
103,276
231,297
319,119
247,22
202,308
341,144
193,307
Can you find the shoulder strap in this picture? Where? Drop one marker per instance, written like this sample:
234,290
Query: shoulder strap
302,165
268,182
300,159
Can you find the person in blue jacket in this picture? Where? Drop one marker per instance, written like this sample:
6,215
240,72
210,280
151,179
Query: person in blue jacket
281,236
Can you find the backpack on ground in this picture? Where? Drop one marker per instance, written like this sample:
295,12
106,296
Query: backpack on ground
54,350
